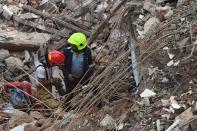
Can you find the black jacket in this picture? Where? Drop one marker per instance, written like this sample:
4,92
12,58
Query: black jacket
89,71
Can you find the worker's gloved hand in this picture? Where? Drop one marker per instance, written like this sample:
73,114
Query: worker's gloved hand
71,77
56,80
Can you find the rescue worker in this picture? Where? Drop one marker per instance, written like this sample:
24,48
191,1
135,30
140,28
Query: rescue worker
44,76
79,63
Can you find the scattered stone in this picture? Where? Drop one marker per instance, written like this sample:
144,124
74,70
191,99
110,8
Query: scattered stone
170,55
193,125
185,117
18,128
14,63
30,127
174,103
10,10
183,43
160,1
151,24
36,115
170,63
145,102
25,127
4,54
19,117
120,127
40,122
149,6
147,93
108,122
85,122
7,13
169,14
134,129
29,16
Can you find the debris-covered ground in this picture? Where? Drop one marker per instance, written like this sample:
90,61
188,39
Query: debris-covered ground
144,53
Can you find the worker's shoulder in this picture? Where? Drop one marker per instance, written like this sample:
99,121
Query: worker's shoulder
40,66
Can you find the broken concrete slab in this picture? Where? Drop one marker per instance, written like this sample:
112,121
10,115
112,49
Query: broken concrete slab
8,11
4,54
18,118
36,115
14,63
29,16
193,125
19,41
147,93
174,103
149,6
181,44
185,117
25,127
151,24
108,122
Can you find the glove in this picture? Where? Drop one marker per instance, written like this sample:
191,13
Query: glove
71,77
56,81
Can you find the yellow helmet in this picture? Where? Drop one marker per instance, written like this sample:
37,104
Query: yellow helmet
78,39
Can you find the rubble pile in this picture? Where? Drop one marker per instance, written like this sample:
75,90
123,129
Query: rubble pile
150,42
166,100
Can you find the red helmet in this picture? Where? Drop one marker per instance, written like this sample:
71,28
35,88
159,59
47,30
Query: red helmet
56,58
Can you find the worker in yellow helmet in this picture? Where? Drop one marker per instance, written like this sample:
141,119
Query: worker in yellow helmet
79,64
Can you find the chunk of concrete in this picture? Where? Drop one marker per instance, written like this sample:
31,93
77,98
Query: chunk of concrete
14,63
183,43
4,54
147,93
151,24
29,16
149,6
108,122
185,117
18,118
8,11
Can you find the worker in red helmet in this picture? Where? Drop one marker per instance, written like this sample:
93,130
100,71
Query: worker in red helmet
45,80
56,58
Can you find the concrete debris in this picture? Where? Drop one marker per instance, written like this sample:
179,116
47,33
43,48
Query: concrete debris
151,24
170,55
193,125
14,63
145,102
170,63
185,117
18,118
173,126
182,44
33,38
36,115
25,127
120,127
147,93
149,6
160,1
8,11
144,54
174,103
4,54
29,16
108,122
